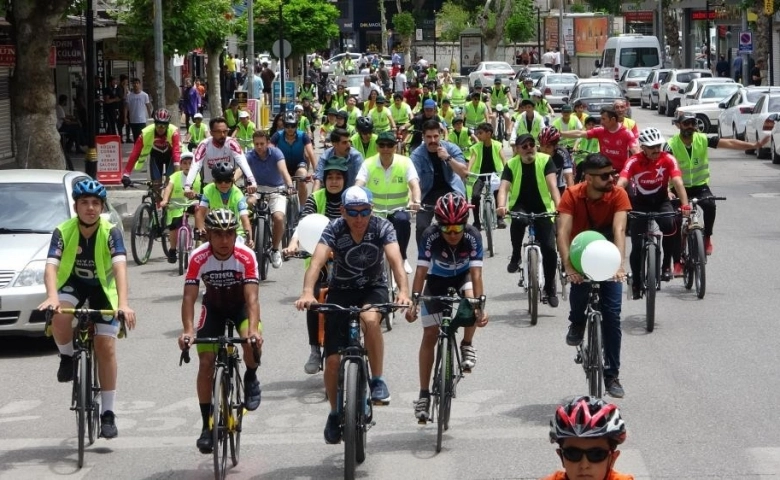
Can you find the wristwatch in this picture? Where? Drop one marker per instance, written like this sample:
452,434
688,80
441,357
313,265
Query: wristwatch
447,160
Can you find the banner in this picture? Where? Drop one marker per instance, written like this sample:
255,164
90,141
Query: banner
550,34
568,35
591,34
109,159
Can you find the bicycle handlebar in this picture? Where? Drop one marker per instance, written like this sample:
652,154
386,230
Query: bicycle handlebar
327,308
650,215
185,354
532,216
694,201
451,299
85,313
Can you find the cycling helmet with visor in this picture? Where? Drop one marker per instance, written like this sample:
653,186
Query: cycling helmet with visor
588,417
290,119
452,209
221,219
162,116
549,136
89,188
222,172
651,137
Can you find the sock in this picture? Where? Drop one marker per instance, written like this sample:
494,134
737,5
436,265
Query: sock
377,378
464,343
205,412
66,349
315,349
425,394
172,251
107,398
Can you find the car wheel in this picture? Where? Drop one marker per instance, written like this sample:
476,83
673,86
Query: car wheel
650,102
762,153
703,123
735,134
661,109
641,102
775,154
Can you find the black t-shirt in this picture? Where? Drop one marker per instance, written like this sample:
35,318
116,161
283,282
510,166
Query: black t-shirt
417,124
488,165
755,72
529,200
440,184
111,92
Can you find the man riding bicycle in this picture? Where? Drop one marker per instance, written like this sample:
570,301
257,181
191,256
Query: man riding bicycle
229,274
549,139
484,158
359,241
160,143
298,151
224,194
87,262
450,257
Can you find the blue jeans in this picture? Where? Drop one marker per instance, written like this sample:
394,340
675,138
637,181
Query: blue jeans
611,334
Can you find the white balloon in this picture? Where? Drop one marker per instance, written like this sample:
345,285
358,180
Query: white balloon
600,260
310,230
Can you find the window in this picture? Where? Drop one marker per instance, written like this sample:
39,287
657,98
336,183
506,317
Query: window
34,206
609,58
774,104
561,79
638,57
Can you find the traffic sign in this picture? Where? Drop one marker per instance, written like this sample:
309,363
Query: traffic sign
277,97
286,51
745,43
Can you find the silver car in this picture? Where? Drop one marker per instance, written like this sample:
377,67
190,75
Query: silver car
32,204
631,82
649,94
556,86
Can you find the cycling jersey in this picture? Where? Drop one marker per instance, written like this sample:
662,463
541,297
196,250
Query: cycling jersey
166,147
224,279
443,260
84,268
651,178
230,152
613,475
614,145
563,164
293,151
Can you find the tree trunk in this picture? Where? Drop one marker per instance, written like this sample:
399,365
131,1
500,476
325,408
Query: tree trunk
33,104
212,77
406,47
493,36
383,26
672,31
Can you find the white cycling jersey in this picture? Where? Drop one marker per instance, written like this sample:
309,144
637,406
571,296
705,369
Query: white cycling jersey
230,152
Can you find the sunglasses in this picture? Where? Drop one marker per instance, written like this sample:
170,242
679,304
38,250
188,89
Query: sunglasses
385,145
223,181
358,213
291,125
688,122
528,145
594,455
604,176
161,124
452,228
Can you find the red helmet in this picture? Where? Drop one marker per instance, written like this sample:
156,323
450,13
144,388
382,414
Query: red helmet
452,209
549,135
162,116
588,417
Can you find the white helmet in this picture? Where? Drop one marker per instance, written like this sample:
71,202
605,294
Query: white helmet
536,93
299,108
650,137
499,108
446,70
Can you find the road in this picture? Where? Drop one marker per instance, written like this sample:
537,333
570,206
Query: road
698,401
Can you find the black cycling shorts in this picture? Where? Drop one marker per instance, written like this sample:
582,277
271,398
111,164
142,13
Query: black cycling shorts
337,324
213,323
79,293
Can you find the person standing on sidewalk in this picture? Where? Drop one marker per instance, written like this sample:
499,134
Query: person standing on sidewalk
139,108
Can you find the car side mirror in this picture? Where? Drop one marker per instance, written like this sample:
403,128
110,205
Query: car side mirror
597,63
722,105
774,117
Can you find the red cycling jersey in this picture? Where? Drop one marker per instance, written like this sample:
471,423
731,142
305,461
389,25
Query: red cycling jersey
614,145
224,279
651,178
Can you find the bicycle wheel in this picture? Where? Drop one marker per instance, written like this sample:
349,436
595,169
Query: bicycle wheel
595,357
441,397
161,215
360,446
699,263
219,422
563,279
533,285
260,252
141,234
293,208
650,276
389,317
237,417
81,386
487,219
181,246
351,395
687,260
93,412
449,383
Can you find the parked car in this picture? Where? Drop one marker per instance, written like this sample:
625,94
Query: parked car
535,72
32,204
596,93
556,86
735,110
759,125
327,65
487,72
719,87
706,116
352,83
631,82
649,94
670,90
774,144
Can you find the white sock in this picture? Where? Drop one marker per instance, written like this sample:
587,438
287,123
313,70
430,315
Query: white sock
107,398
66,349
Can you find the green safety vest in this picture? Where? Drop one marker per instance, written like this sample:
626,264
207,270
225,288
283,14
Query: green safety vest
103,264
304,124
498,97
340,100
514,164
197,134
474,115
381,120
370,151
177,195
458,96
543,107
147,134
447,116
317,63
306,93
696,166
536,126
462,139
231,118
391,191
476,165
353,116
214,198
588,145
244,135
525,94
400,115
628,123
572,125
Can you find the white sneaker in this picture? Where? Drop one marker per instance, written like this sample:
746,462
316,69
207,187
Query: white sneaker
407,267
313,363
276,259
468,357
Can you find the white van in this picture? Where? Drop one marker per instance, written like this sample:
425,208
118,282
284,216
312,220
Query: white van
628,51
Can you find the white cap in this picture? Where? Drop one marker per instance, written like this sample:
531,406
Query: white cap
198,115
243,114
536,93
446,70
299,108
356,196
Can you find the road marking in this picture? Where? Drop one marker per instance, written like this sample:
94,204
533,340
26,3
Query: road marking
765,461
19,406
765,195
19,419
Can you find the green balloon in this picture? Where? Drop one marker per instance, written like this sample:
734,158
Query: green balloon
578,246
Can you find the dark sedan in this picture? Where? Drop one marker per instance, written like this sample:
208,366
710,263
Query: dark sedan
596,93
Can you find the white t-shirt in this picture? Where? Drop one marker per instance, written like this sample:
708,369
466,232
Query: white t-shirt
230,152
136,107
60,116
400,82
548,58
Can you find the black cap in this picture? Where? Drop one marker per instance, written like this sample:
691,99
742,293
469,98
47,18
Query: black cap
521,139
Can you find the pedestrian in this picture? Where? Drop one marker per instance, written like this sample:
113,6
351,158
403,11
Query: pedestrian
139,108
755,73
112,100
738,68
722,67
190,101
268,76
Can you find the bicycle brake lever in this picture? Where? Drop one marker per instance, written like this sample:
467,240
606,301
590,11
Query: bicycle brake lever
255,353
185,356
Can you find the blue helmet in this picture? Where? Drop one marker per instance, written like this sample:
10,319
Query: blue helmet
89,188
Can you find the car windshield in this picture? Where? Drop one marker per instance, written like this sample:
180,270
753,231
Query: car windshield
536,75
688,76
608,91
32,206
634,73
561,79
353,81
718,91
639,57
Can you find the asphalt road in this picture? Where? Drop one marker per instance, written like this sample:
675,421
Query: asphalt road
699,389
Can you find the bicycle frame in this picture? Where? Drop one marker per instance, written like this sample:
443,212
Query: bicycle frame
591,354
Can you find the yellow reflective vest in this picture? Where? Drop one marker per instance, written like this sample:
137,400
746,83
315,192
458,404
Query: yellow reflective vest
388,186
515,165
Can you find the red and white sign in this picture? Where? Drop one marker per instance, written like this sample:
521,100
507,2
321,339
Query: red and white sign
109,159
8,56
253,107
641,16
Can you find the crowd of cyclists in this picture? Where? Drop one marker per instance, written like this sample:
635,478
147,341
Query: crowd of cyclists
418,158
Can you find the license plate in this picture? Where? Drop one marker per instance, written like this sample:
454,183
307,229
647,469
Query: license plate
563,92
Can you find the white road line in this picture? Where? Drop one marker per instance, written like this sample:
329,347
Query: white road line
765,460
19,406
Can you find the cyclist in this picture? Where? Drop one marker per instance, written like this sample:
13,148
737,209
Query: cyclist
476,112
353,113
358,278
524,92
222,193
390,177
542,106
161,143
529,184
228,270
196,133
621,107
450,257
80,270
342,148
428,113
595,204
549,139
499,94
650,173
364,141
565,122
458,93
342,118
460,136
381,117
175,191
296,146
244,130
588,432
446,112
581,111
616,142
483,157
590,145
307,91
400,111
529,121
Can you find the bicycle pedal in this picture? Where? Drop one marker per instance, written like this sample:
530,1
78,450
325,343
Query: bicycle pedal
466,370
380,402
578,359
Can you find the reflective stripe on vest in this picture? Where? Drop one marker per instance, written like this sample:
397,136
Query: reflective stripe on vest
476,165
540,162
696,166
147,134
458,96
244,135
389,187
473,115
214,198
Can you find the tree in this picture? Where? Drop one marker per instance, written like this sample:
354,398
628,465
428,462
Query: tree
672,33
309,25
521,26
405,27
33,23
492,21
452,19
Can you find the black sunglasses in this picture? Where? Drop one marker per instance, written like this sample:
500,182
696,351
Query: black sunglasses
594,455
385,145
604,176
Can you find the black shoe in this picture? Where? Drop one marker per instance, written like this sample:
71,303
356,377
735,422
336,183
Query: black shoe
666,276
552,300
65,372
107,426
332,429
501,224
614,388
575,335
512,267
251,394
205,442
172,258
636,292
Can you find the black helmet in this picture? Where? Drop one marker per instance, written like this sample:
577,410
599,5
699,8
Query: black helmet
221,219
222,171
290,118
365,125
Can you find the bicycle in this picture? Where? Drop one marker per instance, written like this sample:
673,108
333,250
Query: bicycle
148,225
446,376
501,132
693,256
186,238
227,405
85,399
650,263
261,229
353,406
591,354
531,263
487,208
293,210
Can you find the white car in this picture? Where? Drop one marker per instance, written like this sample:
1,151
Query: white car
632,81
708,90
706,116
759,125
487,72
32,204
327,65
735,111
774,144
556,86
352,84
533,72
649,94
670,91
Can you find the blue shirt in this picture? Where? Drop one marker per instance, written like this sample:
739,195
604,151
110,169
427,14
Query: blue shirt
266,170
425,170
257,86
293,152
443,260
354,161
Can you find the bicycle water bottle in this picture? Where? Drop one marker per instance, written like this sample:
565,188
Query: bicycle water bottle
354,333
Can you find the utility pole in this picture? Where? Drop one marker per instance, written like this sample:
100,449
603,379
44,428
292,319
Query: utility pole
661,31
90,159
250,45
561,43
539,31
158,55
707,33
282,80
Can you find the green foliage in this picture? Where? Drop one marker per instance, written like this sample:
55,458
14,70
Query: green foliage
470,6
452,19
404,24
521,25
308,24
611,7
577,8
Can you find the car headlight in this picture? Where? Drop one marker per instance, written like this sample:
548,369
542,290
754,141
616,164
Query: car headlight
32,274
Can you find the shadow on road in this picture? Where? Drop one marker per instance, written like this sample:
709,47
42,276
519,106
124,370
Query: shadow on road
17,347
538,414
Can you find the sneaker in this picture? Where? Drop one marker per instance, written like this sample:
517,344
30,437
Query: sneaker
708,245
468,357
575,335
421,407
65,372
666,275
172,257
312,365
205,442
512,267
614,388
251,393
636,292
276,259
407,267
107,426
501,224
552,300
332,429
678,270
380,395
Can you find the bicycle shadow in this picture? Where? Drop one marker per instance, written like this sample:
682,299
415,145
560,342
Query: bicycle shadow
537,414
60,460
307,392
517,318
23,346
636,325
